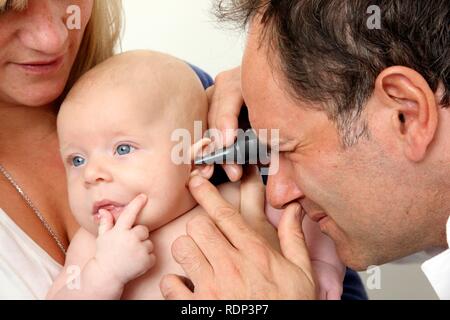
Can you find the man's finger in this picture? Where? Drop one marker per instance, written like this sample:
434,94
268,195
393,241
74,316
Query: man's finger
174,288
292,240
212,243
128,216
187,254
224,215
106,221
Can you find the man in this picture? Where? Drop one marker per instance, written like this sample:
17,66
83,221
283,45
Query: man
364,123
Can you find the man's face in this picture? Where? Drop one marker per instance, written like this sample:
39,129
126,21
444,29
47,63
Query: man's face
361,196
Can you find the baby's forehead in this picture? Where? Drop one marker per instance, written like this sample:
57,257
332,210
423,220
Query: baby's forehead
168,94
114,100
119,111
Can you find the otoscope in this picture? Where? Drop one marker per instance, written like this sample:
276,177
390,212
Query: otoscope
246,150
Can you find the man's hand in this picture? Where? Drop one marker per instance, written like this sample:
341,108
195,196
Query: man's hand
225,258
225,103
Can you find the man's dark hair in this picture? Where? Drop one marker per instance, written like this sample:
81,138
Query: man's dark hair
328,54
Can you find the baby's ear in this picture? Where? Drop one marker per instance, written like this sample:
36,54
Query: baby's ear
202,147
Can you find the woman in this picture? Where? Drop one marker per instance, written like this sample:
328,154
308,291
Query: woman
39,60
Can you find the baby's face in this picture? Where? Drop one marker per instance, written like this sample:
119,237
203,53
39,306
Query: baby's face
114,148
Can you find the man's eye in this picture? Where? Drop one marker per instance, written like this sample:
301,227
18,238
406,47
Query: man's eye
78,161
124,149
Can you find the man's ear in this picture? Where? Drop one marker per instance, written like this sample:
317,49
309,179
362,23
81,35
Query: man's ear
202,147
415,116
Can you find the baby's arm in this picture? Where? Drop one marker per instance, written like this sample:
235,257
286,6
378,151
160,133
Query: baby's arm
327,266
81,277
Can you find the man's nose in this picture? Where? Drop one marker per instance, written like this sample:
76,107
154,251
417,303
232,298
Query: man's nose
45,28
96,171
281,187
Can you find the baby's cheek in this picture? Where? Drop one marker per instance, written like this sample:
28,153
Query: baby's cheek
79,206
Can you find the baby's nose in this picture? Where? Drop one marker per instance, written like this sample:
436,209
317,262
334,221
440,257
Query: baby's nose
96,171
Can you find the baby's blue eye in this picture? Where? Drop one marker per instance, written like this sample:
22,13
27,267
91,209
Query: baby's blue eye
124,149
77,161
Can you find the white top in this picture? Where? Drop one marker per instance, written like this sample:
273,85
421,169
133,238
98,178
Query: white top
26,270
437,270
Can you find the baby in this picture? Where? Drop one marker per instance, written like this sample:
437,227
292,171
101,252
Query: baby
115,130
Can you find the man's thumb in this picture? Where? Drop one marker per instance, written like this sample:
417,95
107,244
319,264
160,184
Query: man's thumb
106,221
292,240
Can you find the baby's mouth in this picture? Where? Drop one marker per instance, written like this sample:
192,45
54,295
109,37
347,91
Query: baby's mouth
114,208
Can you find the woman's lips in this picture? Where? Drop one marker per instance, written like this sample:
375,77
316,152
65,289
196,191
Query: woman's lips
41,67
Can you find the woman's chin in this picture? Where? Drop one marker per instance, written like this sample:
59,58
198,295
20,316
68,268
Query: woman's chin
44,99
37,95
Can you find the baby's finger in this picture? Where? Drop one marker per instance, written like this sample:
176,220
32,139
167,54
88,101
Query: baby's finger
106,221
128,216
174,288
141,232
148,244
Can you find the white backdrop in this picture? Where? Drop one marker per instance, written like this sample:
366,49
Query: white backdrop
185,29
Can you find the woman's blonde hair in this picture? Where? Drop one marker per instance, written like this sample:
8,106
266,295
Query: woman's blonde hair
100,37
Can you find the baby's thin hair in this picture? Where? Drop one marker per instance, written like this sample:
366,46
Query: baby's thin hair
16,5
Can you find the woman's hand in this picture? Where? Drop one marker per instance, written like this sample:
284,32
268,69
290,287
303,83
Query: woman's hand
226,259
225,103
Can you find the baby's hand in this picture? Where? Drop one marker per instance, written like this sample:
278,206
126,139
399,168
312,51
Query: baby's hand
328,268
124,251
330,280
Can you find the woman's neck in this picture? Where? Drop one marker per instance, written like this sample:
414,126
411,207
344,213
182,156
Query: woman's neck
22,127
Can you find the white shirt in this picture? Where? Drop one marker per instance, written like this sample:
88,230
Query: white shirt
26,270
437,270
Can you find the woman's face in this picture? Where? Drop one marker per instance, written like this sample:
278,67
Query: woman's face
38,49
